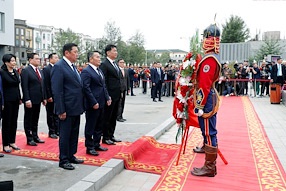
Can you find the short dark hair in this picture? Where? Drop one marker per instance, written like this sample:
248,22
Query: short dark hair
51,55
68,47
108,48
31,55
119,59
91,53
279,59
8,57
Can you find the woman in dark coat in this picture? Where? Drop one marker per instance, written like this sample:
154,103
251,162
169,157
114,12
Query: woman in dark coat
12,100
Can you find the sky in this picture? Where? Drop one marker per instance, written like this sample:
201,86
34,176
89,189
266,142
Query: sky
165,24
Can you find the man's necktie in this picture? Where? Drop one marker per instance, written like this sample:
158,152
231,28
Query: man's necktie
122,70
98,72
75,71
38,74
279,70
115,66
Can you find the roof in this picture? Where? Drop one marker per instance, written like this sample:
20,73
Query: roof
167,50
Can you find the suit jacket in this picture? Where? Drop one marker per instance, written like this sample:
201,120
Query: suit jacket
11,90
94,88
112,79
131,73
124,81
47,80
155,78
67,90
32,88
274,71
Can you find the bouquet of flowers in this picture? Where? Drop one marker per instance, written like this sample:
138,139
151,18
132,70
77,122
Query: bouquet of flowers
183,107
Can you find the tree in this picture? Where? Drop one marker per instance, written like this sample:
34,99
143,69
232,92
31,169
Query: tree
112,35
63,37
164,58
270,46
83,50
137,53
234,30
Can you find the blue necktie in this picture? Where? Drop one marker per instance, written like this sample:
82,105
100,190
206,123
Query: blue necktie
75,71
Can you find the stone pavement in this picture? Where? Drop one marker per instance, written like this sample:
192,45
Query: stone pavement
143,118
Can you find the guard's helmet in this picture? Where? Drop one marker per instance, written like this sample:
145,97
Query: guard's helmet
211,30
211,39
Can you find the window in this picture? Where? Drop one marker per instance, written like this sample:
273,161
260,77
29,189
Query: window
22,43
17,42
2,22
23,54
22,32
44,36
17,31
48,37
44,46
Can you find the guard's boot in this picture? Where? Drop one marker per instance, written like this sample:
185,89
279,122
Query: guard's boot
199,149
209,168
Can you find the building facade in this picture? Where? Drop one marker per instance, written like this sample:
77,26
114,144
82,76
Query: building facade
6,27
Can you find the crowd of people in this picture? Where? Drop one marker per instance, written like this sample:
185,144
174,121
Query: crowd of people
237,81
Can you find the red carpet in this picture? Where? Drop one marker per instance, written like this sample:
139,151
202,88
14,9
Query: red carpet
145,154
50,150
252,162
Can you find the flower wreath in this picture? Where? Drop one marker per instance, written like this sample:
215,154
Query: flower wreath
183,106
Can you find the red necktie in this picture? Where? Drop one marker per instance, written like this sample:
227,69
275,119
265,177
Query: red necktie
38,74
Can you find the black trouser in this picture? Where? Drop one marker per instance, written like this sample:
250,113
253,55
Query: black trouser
144,85
69,130
9,122
121,105
93,127
110,116
52,119
131,87
156,90
31,119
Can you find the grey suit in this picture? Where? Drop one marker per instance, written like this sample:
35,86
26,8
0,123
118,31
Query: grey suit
124,86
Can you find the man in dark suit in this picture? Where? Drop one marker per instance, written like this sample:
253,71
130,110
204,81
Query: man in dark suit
157,79
131,73
278,72
124,86
67,92
96,97
52,118
112,80
33,94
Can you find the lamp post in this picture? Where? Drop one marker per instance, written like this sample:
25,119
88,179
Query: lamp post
146,57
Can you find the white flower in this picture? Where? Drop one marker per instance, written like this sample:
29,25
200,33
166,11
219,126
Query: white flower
183,81
186,64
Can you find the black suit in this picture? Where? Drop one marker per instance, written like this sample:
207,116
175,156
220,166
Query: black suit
278,79
52,118
112,80
157,80
33,89
68,98
95,93
12,97
124,86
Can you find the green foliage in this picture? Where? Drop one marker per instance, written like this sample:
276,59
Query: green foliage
195,44
62,38
234,30
270,46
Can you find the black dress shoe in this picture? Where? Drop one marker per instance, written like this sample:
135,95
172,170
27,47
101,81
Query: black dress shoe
77,161
1,155
39,140
92,152
124,119
120,120
100,148
160,100
67,166
115,140
32,143
108,142
15,147
7,150
133,95
53,136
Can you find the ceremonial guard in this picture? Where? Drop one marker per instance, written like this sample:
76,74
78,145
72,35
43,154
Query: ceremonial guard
206,99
